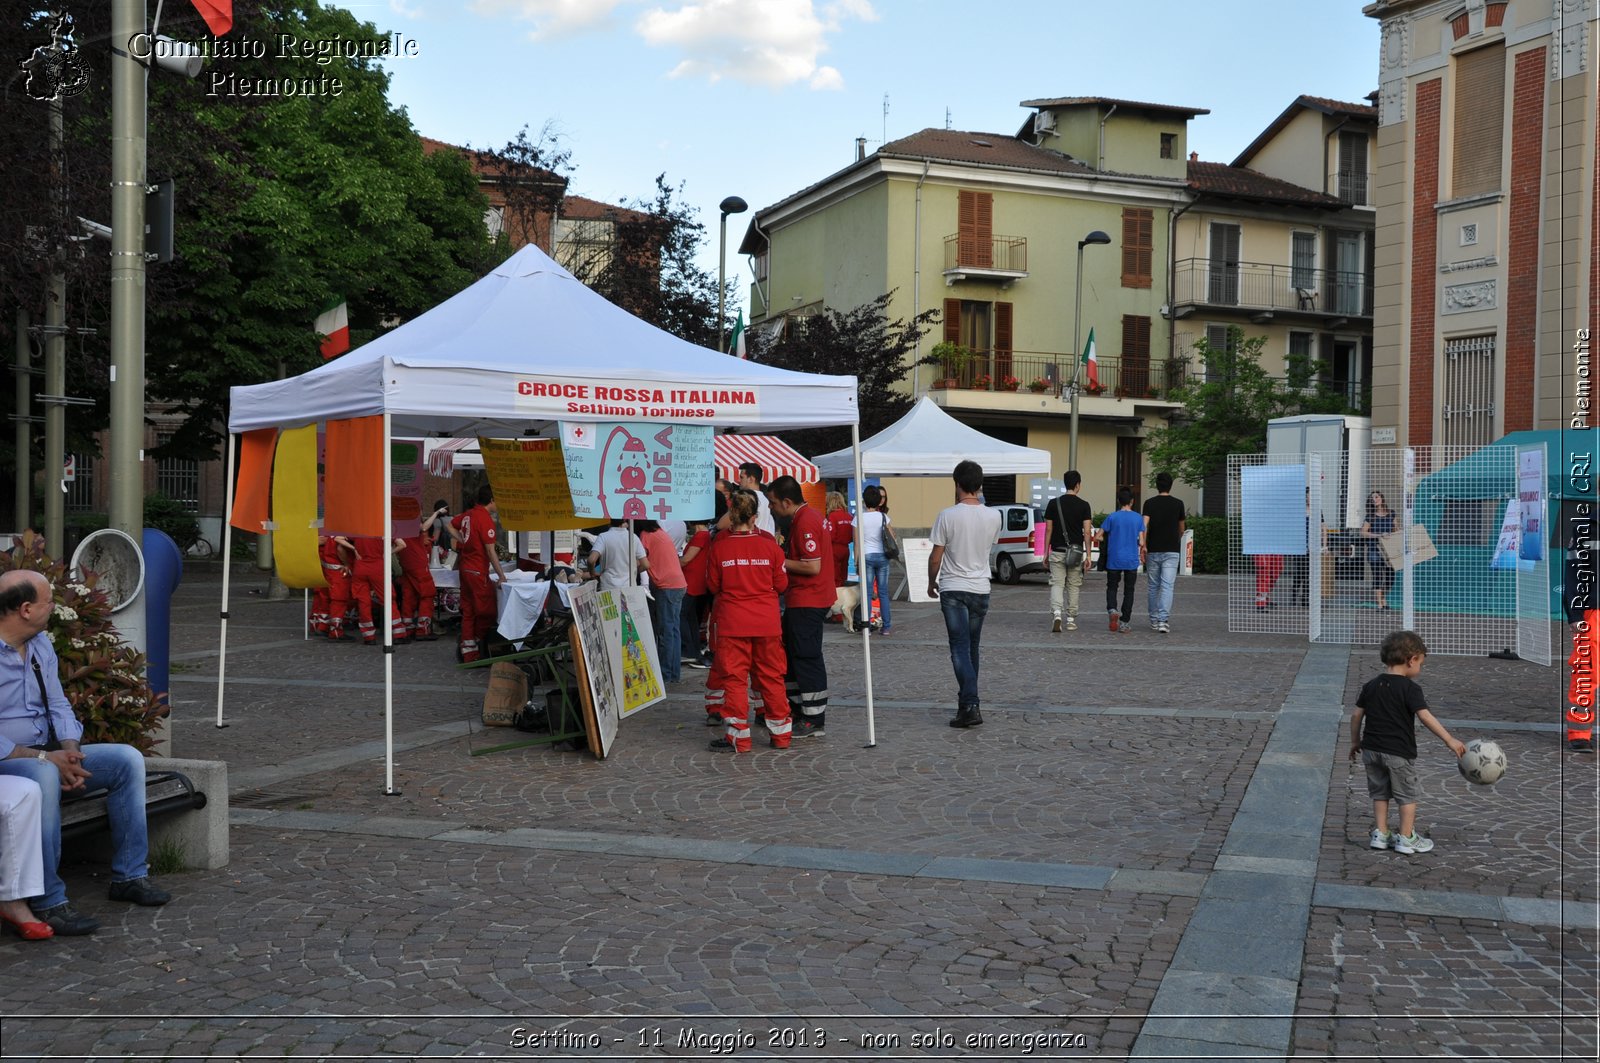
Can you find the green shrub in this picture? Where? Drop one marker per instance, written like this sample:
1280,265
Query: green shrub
167,514
1210,544
102,676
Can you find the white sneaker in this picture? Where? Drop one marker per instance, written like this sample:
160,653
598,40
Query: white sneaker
1415,843
1381,839
1072,623
1164,628
1055,626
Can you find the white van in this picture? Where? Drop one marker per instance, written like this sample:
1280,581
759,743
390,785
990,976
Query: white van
1012,553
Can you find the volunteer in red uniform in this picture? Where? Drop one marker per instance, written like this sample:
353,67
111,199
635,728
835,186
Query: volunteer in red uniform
368,575
843,531
476,545
416,581
745,570
811,594
330,603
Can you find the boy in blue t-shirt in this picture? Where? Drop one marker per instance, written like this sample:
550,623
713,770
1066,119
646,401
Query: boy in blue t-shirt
1122,535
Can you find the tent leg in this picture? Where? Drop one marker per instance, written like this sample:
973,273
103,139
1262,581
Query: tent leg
227,570
388,614
866,598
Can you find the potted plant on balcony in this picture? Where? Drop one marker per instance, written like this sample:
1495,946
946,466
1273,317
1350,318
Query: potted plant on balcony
982,382
1093,389
1009,383
1039,385
952,358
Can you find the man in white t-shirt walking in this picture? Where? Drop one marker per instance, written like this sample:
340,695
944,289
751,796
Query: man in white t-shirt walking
958,572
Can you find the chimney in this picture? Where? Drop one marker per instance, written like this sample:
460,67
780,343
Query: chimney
1194,156
861,148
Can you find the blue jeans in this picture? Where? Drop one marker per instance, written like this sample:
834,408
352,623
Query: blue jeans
669,644
119,767
963,623
877,582
1162,572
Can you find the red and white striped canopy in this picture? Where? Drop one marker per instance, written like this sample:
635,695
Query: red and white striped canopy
775,457
442,453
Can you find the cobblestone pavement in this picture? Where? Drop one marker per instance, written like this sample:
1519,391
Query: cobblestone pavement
1026,885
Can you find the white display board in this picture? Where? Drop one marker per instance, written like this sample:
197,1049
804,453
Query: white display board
915,553
1272,509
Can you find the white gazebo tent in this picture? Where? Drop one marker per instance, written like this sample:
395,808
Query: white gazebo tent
929,442
522,349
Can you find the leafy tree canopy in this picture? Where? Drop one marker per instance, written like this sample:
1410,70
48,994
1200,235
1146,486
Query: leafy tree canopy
1226,410
863,342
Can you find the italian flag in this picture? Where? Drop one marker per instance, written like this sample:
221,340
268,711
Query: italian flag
736,341
1091,364
334,325
217,13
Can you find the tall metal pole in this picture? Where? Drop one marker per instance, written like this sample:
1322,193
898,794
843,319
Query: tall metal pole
1077,364
23,374
55,351
722,279
127,270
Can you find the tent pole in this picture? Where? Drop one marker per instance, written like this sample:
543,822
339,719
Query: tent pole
227,569
862,582
388,612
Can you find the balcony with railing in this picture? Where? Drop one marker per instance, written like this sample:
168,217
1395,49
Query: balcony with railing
1263,290
1353,187
1047,373
1003,258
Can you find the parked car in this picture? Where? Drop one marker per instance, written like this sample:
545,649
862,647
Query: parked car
1012,553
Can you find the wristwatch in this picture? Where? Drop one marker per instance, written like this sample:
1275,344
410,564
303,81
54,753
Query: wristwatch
41,755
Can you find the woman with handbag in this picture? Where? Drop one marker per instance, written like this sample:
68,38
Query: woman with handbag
881,547
1379,522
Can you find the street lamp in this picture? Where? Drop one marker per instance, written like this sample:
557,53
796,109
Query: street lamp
731,205
1096,237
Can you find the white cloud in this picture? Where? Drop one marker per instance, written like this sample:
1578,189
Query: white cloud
757,42
401,9
551,18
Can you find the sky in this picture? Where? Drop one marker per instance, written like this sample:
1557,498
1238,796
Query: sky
760,98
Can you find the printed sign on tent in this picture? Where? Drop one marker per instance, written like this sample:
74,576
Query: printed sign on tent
641,471
530,484
405,487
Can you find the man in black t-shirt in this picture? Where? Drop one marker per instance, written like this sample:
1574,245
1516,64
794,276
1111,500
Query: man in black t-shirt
1068,523
1164,519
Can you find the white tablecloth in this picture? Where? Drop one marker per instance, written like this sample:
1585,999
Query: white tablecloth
445,578
521,598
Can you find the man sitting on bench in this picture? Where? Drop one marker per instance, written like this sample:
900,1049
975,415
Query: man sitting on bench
39,741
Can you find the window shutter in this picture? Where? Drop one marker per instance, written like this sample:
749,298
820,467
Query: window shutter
1138,246
1002,341
975,228
1480,104
1135,355
952,320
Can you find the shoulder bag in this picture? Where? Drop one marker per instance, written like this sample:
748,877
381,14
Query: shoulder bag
891,545
1073,556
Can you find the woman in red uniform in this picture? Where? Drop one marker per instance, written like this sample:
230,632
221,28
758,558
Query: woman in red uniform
843,532
746,574
367,577
330,603
416,580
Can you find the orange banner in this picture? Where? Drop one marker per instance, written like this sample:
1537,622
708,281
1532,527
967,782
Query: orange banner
252,491
352,502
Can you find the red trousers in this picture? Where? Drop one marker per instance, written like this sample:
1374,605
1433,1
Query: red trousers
479,612
416,599
367,577
757,662
1268,568
330,603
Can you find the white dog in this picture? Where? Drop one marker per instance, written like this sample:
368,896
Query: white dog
845,604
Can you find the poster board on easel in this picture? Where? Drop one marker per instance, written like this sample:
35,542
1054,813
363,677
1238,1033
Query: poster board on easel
591,656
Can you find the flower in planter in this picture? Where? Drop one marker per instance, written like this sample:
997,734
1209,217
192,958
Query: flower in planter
1038,384
981,382
1009,383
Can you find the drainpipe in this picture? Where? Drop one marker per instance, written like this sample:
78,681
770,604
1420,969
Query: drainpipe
766,302
1172,276
1100,163
916,284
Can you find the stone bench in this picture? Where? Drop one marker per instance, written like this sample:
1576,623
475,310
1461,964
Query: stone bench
186,804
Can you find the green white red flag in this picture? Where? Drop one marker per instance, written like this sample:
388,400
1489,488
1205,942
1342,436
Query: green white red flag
1091,364
217,13
736,341
333,324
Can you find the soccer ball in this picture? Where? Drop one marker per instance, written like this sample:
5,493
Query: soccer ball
1483,763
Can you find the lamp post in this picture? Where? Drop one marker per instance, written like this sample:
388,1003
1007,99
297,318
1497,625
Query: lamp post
731,205
1096,237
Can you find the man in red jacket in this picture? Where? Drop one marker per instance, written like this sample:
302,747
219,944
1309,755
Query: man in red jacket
368,575
809,553
476,545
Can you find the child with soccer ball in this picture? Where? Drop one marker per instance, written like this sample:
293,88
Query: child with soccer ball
1383,733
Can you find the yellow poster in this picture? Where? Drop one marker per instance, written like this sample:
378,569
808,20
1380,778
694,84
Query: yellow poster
634,644
529,478
294,509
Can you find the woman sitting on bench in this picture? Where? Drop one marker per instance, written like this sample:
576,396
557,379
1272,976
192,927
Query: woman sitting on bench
21,858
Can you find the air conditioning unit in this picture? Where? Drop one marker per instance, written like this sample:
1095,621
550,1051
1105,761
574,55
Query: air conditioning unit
1044,121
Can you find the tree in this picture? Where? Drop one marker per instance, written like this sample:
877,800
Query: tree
1227,411
287,196
861,341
